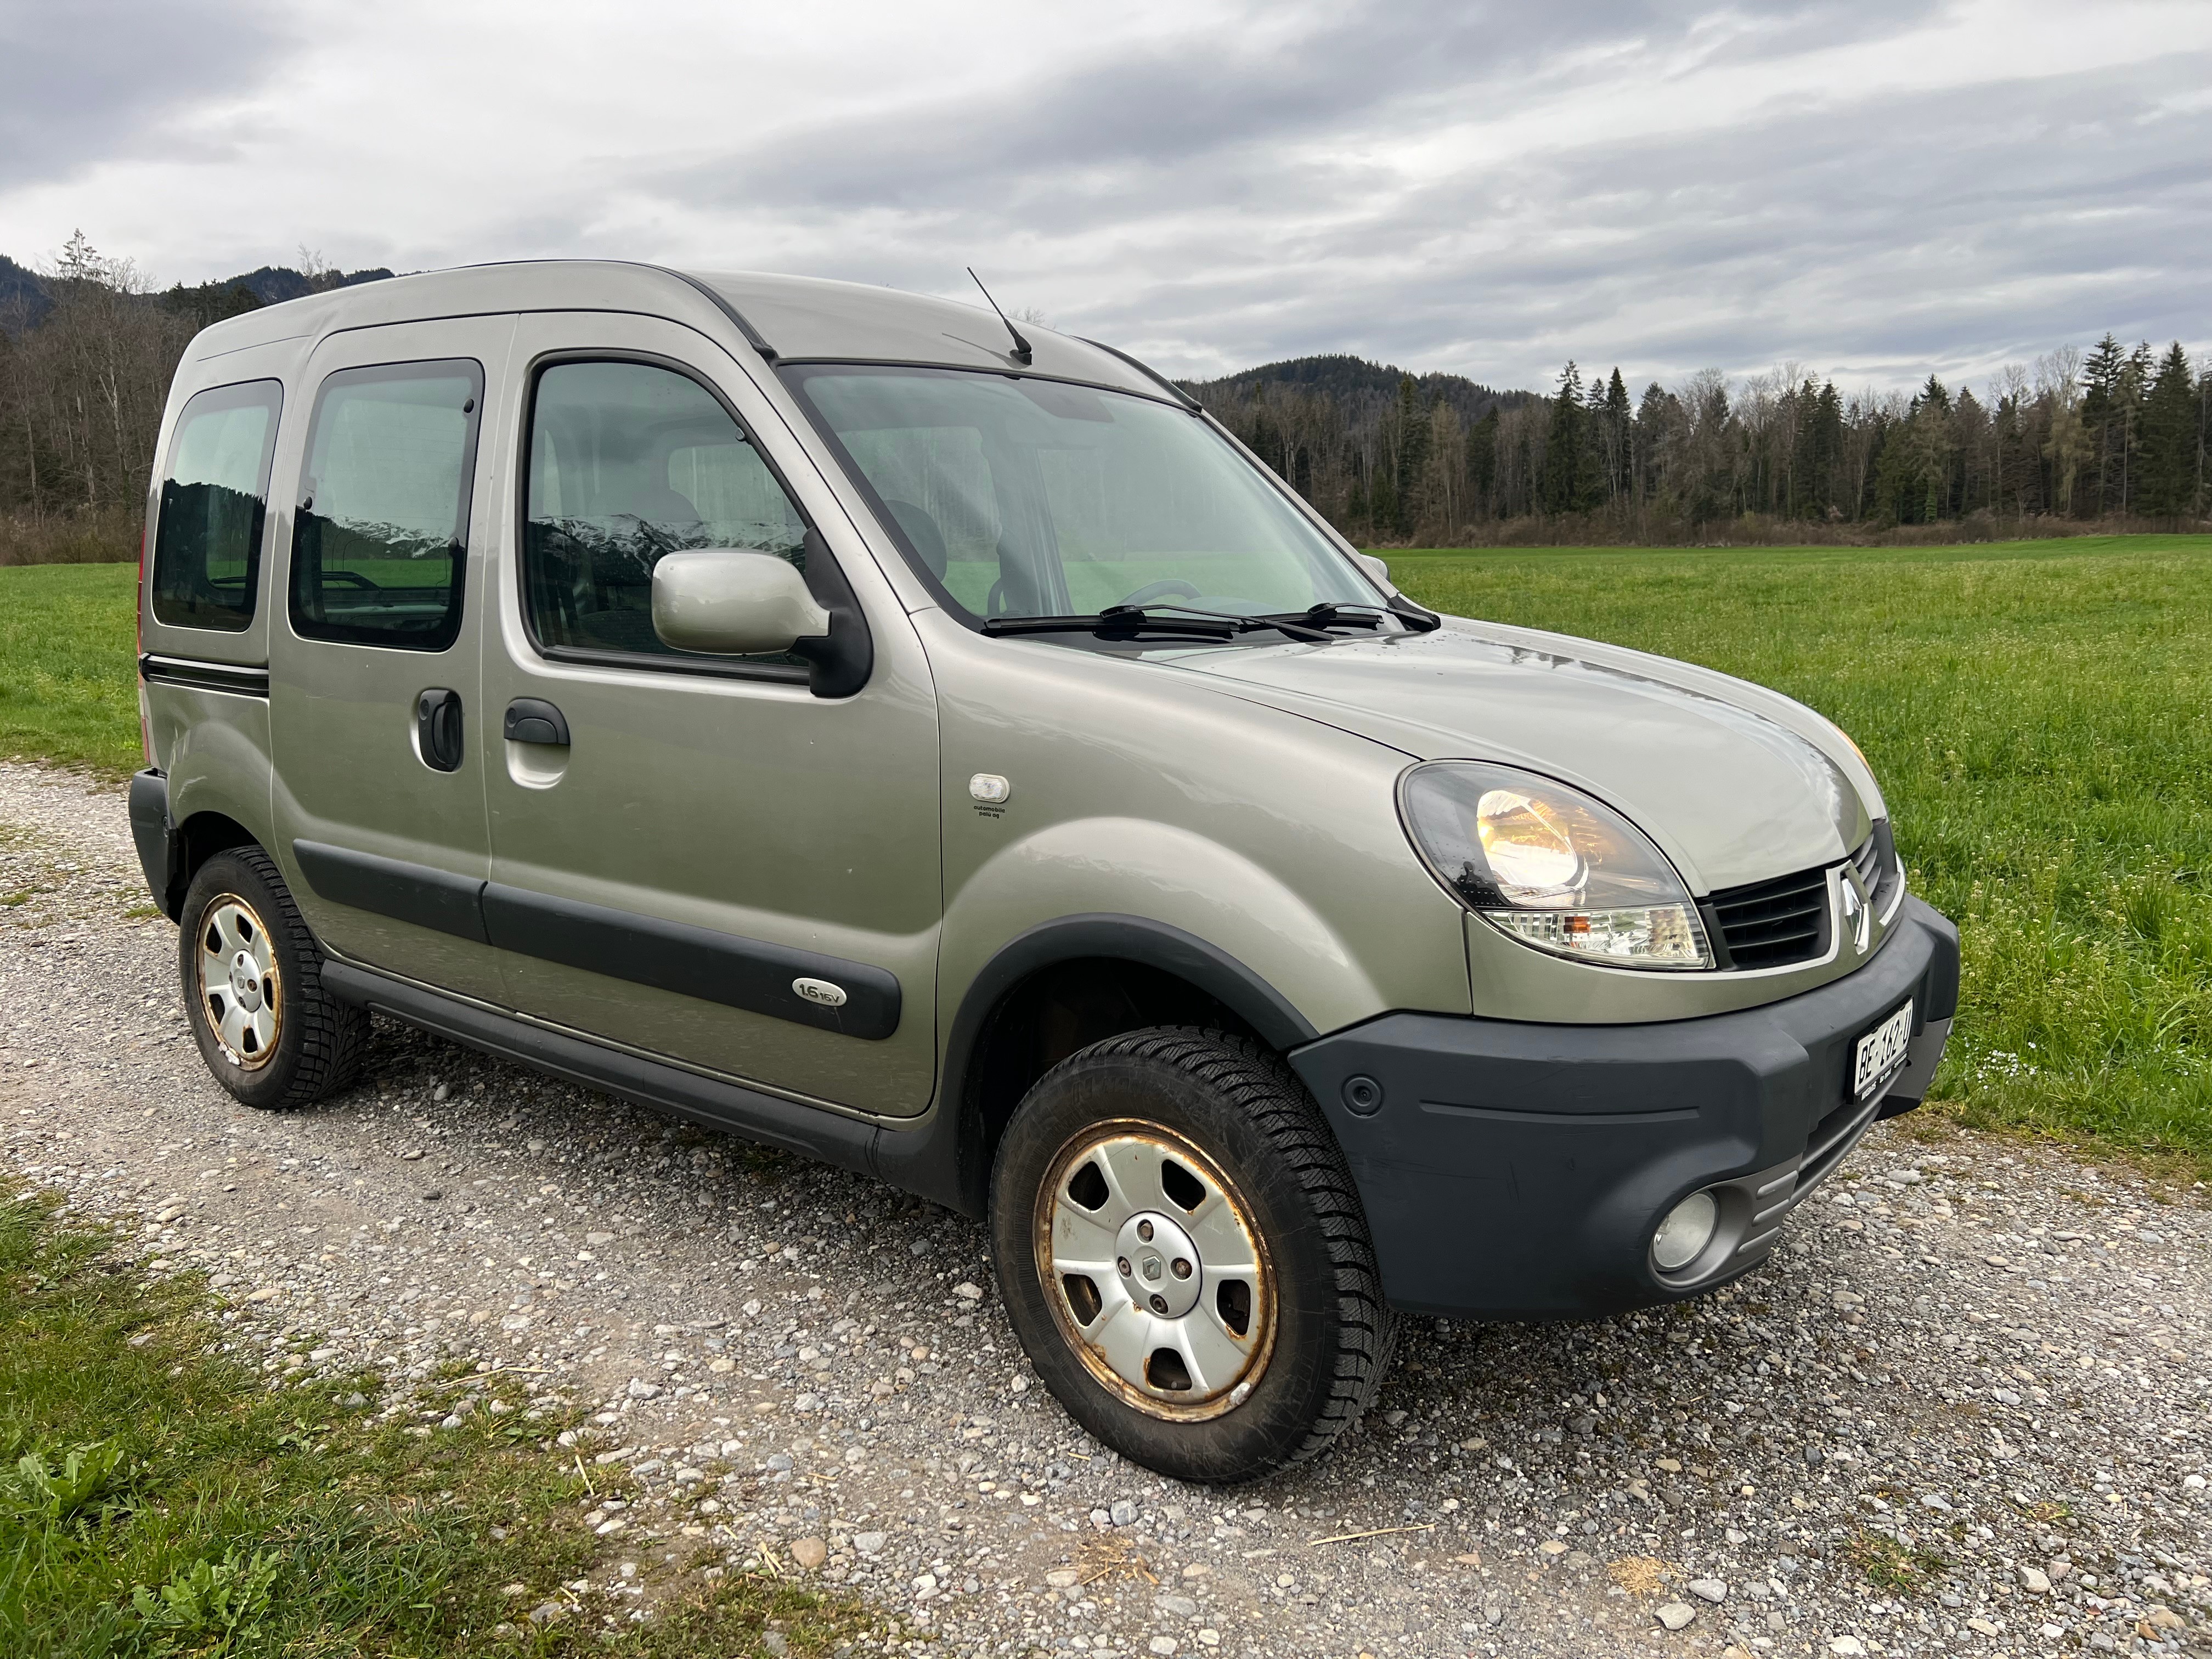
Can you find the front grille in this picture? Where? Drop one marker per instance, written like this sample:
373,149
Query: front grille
1869,860
1877,862
1771,924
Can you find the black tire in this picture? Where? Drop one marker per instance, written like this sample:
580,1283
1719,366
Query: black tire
1238,1107
317,1041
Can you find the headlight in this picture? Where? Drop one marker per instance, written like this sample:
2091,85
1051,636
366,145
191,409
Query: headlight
1551,866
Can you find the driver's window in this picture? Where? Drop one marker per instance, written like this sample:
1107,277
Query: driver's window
629,461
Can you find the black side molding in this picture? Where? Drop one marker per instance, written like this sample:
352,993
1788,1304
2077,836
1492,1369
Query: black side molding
694,962
436,899
854,999
205,675
829,1136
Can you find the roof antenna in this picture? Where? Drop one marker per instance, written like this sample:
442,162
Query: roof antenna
1021,353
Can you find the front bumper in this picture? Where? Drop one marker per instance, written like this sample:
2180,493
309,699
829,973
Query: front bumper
1512,1170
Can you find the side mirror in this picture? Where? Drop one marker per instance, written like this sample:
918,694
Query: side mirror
733,601
1375,567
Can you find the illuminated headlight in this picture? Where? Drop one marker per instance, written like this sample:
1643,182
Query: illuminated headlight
1551,868
1683,1236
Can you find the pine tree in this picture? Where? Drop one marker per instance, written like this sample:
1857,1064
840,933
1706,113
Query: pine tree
1825,450
2168,465
1614,424
1561,486
2102,417
2135,376
1648,467
81,261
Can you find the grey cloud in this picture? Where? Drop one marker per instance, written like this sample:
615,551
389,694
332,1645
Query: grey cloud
1882,234
1138,125
1226,214
87,80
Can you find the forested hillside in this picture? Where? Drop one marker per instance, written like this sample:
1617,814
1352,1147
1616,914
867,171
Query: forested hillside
86,354
2118,436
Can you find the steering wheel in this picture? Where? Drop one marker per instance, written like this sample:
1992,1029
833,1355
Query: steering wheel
1160,590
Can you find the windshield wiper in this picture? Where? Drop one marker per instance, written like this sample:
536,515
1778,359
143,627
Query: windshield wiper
1186,620
1330,613
1114,622
1294,625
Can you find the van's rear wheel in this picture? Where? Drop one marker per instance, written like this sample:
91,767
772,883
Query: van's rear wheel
253,990
1184,1257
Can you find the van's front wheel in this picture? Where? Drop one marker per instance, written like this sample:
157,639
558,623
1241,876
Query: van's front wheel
253,990
1184,1257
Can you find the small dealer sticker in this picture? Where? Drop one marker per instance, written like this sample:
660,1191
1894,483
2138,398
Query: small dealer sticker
1881,1053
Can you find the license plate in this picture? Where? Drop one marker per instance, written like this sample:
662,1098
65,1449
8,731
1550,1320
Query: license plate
1880,1055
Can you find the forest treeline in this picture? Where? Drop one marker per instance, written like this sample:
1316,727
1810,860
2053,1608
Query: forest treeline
2116,436
87,352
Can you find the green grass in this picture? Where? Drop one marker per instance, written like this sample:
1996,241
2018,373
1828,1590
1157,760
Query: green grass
2039,714
157,1497
69,689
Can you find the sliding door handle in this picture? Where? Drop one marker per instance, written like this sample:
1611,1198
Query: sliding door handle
532,719
438,729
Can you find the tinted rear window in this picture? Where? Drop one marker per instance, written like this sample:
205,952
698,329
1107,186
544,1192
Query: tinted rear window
380,543
207,544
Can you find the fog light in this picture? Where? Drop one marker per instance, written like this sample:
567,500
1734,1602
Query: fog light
1683,1236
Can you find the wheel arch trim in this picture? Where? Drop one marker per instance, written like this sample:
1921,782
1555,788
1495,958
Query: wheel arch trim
945,1154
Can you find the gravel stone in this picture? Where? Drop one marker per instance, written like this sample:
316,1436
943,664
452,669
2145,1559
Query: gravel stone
2004,1325
1674,1615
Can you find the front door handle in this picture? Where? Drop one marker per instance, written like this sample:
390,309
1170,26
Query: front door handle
532,719
438,729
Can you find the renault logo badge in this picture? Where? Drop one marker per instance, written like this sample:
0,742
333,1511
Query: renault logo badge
1854,914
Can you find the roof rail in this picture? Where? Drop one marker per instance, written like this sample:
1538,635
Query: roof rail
720,302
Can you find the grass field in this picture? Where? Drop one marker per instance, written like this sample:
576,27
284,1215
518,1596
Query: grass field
158,1496
69,684
2039,713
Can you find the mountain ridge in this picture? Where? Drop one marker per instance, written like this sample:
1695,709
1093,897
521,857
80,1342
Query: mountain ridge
1360,383
27,295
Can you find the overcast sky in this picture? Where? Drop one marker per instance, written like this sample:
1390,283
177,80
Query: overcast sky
1871,189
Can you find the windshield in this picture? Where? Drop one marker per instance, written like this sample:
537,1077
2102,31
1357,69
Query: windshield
1033,498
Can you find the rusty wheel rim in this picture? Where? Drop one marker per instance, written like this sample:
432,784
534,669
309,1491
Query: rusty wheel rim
1156,1275
238,986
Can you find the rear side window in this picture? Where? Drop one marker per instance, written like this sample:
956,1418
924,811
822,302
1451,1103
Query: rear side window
380,546
628,461
207,542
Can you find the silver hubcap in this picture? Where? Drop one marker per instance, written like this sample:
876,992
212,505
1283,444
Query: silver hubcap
1154,1271
238,988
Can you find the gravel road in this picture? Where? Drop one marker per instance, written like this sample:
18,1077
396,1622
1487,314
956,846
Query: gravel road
1964,1411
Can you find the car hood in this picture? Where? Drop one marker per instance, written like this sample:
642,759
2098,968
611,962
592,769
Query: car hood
1735,783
